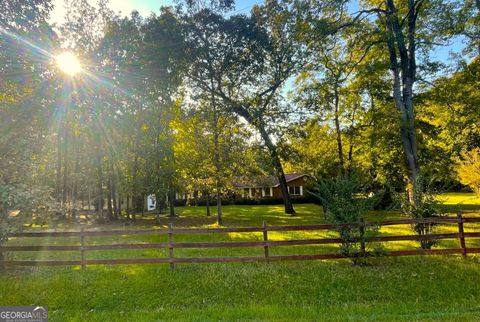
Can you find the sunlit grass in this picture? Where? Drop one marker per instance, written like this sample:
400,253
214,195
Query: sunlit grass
433,288
460,198
414,288
234,216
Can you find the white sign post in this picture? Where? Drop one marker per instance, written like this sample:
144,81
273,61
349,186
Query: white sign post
151,203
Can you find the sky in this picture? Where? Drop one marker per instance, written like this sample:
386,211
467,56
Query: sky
145,7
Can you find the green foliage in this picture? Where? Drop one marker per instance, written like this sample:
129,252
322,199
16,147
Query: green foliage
310,148
20,205
468,169
340,198
425,204
25,107
195,150
164,96
448,117
344,202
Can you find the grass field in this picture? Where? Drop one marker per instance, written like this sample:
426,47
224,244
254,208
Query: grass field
420,288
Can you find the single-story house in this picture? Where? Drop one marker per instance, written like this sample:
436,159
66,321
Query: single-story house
253,190
268,187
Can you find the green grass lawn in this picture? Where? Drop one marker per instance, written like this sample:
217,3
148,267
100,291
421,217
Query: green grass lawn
416,288
456,201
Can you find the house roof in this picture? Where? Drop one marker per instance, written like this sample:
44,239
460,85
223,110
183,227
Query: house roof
265,181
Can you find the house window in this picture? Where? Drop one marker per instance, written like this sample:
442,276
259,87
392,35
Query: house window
247,193
295,190
267,192
180,196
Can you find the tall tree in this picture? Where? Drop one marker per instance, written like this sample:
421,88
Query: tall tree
404,28
334,59
25,105
143,57
254,57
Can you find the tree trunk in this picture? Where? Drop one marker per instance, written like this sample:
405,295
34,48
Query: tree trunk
100,200
109,202
242,111
216,156
403,67
350,158
287,200
75,185
195,199
100,187
58,182
114,200
127,207
277,164
135,206
83,202
351,142
408,136
157,209
207,203
65,167
338,130
171,203
110,192
113,190
89,200
219,209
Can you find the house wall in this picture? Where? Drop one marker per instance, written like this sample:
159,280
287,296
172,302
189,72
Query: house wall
256,193
303,182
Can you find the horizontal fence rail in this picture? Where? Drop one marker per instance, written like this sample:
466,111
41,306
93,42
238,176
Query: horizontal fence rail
171,245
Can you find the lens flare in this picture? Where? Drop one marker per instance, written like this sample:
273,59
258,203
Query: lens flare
68,63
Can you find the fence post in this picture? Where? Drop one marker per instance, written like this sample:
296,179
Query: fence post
170,245
82,248
265,240
462,234
362,237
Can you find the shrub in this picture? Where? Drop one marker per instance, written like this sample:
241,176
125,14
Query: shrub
425,205
20,204
468,169
344,202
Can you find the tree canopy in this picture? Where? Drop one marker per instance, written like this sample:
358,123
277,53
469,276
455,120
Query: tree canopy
196,96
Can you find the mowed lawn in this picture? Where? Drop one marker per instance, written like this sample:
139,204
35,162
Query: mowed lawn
426,288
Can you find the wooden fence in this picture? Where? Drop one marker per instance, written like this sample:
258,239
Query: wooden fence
266,244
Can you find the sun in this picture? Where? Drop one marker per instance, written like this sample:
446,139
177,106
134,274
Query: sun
68,63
